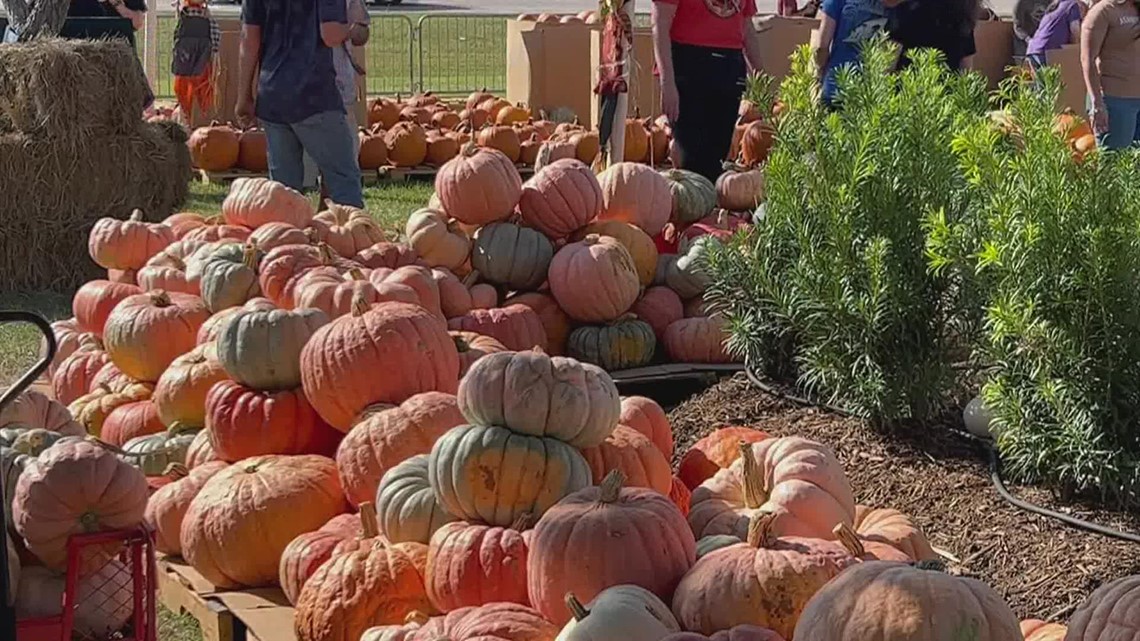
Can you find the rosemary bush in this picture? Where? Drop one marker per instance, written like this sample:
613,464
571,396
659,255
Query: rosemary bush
833,288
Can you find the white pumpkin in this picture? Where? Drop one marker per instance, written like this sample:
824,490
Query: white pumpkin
619,613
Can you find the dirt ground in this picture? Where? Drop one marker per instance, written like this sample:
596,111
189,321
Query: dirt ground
1042,567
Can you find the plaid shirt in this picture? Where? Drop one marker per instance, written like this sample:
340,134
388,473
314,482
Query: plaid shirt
202,11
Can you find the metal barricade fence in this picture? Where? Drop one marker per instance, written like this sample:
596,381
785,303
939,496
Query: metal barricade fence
390,55
461,53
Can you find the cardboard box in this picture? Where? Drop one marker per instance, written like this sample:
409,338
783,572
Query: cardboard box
548,66
644,90
779,37
993,40
1073,94
262,614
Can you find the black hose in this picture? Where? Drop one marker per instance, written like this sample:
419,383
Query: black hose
995,468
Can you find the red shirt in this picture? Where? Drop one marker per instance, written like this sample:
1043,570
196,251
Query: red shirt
696,24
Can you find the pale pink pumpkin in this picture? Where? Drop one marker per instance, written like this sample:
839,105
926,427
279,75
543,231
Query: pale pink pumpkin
561,198
660,307
253,202
634,193
127,244
479,186
604,263
644,415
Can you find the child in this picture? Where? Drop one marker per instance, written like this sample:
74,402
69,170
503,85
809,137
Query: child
844,26
196,39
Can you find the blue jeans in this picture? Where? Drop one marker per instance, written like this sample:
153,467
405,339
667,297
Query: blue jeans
326,137
1123,123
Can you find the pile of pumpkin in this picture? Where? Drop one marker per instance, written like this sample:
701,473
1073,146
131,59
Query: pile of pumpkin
222,147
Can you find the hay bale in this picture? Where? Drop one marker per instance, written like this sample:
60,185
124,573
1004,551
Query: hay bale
52,192
58,89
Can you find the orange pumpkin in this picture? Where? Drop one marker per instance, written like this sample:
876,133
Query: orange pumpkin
347,230
471,564
168,505
502,138
282,267
528,151
253,151
680,495
416,277
384,112
561,198
441,148
407,144
242,519
31,409
446,120
554,320
493,106
607,264
715,452
479,186
373,153
454,297
92,409
587,145
640,246
244,422
755,142
308,551
180,393
635,194
271,235
893,528
472,347
697,340
635,456
72,379
252,202
214,148
646,417
146,332
636,141
201,451
512,114
68,335
126,244
129,421
517,327
94,302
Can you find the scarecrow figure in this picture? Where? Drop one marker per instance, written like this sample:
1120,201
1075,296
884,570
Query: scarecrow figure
196,41
613,76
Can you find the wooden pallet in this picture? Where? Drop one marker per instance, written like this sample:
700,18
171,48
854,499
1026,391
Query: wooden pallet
177,594
673,372
401,174
225,615
226,177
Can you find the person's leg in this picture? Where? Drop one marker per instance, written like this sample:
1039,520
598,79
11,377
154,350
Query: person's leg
704,130
1136,132
310,180
328,139
284,147
1121,124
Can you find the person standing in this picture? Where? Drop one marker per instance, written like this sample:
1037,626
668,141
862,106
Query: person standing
288,45
945,25
701,48
1060,26
1110,60
845,25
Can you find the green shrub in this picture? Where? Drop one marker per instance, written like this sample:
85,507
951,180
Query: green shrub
1057,252
833,288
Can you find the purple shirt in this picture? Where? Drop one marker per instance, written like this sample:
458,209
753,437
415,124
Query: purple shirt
1053,32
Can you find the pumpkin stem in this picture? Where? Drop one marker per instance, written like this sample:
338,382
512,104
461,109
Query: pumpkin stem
159,298
368,520
524,522
591,239
754,493
933,565
576,608
461,344
89,521
469,150
849,540
359,304
136,216
760,530
416,617
327,255
311,234
249,254
610,489
354,274
176,471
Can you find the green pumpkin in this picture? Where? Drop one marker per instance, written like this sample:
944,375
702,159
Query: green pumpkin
708,544
694,196
34,442
8,435
623,344
687,275
229,275
153,453
262,349
12,464
512,256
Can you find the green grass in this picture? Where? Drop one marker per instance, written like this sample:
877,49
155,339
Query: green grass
177,627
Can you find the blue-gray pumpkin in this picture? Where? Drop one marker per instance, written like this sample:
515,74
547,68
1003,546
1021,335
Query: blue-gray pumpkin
622,344
511,256
262,348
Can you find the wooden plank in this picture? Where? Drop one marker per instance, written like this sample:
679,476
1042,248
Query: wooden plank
673,371
400,174
175,593
226,177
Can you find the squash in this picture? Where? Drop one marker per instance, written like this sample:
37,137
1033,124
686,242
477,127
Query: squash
384,436
539,395
130,421
72,379
167,506
619,613
640,246
715,452
470,564
561,198
510,256
438,242
645,416
479,186
253,202
407,509
229,275
640,462
625,343
256,508
346,365
310,550
216,147
146,332
1107,614
698,340
154,453
635,193
604,536
659,307
180,393
893,528
472,347
554,321
212,328
608,266
262,349
168,269
94,302
491,474
126,244
244,422
407,144
517,327
874,597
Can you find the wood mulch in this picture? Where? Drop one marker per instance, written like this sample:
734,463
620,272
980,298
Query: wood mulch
1042,567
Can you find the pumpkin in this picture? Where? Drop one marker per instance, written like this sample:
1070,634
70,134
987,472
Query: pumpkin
130,421
636,194
436,240
472,347
214,148
516,326
625,343
470,564
407,144
347,230
50,506
200,451
180,393
155,453
640,246
245,422
539,395
416,277
608,266
502,139
387,255
604,536
377,583
739,188
253,202
146,332
893,528
385,436
698,340
484,296
646,417
384,112
1038,630
560,198
587,146
373,152
735,633
31,409
328,290
407,509
555,149
94,302
168,269
34,442
511,256
635,456
479,186
127,276
797,480
167,506
229,275
715,452
554,321
126,244
686,275
696,308
636,141
281,267
494,475
103,597
528,151
719,224
755,142
512,115
454,297
184,222
73,377
490,622
446,120
262,349
899,602
694,196
253,151
92,409
659,307
67,334
12,465
346,365
625,612
1107,614
308,551
242,519
866,550
680,495
112,378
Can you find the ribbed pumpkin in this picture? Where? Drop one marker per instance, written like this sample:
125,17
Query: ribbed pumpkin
373,153
95,301
245,422
146,332
385,436
184,222
347,364
561,198
253,151
634,193
1109,613
866,550
126,244
128,276
73,377
528,151
168,505
516,326
347,230
130,421
604,536
50,506
646,417
698,340
454,297
555,321
555,149
502,139
384,112
92,409
214,148
899,602
755,142
635,456
334,293
168,269
539,395
242,519
739,188
659,307
479,186
604,263
67,336
438,242
798,480
417,277
212,328
154,454
200,451
441,148
32,409
229,275
493,475
310,550
619,612
640,246
407,509
680,495
252,202
407,144
262,349
472,347
511,256
625,343
893,528
215,230
471,564
281,268
715,452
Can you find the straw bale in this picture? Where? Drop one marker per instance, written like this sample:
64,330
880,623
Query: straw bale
51,193
55,88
